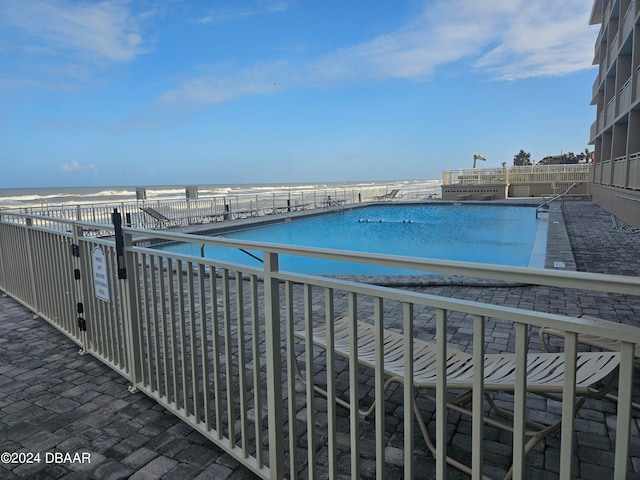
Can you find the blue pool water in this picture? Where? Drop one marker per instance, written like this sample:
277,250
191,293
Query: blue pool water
503,235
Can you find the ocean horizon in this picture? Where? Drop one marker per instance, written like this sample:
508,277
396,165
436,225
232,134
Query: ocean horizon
15,198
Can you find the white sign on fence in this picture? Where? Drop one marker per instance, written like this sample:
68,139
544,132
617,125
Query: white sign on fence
100,279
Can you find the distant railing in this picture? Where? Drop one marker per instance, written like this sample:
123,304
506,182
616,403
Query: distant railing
213,342
219,208
567,173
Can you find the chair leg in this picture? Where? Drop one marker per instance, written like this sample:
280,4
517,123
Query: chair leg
544,343
361,413
535,433
432,448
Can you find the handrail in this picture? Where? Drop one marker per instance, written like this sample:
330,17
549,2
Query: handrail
539,207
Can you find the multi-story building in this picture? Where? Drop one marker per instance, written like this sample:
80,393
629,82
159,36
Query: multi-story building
615,182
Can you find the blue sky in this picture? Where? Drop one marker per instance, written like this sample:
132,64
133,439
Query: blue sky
156,92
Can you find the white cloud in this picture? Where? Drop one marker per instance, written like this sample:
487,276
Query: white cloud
223,14
544,38
105,31
213,89
505,39
74,167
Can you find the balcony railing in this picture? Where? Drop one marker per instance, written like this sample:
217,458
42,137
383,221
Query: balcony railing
634,171
606,172
610,112
597,173
620,171
608,11
624,99
601,121
629,20
613,48
213,342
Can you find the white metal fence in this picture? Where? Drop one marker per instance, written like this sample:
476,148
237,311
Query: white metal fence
213,342
568,173
162,213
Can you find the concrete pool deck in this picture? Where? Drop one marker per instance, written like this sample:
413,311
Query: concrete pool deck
54,400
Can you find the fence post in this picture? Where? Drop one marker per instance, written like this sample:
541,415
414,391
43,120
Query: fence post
35,301
81,274
127,267
274,366
3,275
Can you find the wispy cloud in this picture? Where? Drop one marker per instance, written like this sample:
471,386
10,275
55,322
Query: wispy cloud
504,39
223,14
260,79
545,38
75,167
87,35
101,30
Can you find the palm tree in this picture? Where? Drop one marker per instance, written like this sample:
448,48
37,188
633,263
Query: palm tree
522,158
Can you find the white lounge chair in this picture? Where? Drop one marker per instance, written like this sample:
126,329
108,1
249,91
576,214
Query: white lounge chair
545,374
601,343
389,196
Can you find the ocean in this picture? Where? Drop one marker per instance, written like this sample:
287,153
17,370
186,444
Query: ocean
17,198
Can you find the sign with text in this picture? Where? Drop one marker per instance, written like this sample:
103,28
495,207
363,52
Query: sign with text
100,279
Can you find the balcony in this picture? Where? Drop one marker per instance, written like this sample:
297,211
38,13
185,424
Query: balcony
628,20
606,173
601,121
620,171
594,130
624,99
607,12
597,173
634,171
610,114
613,48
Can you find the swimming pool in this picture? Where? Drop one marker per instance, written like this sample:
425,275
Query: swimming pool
502,235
